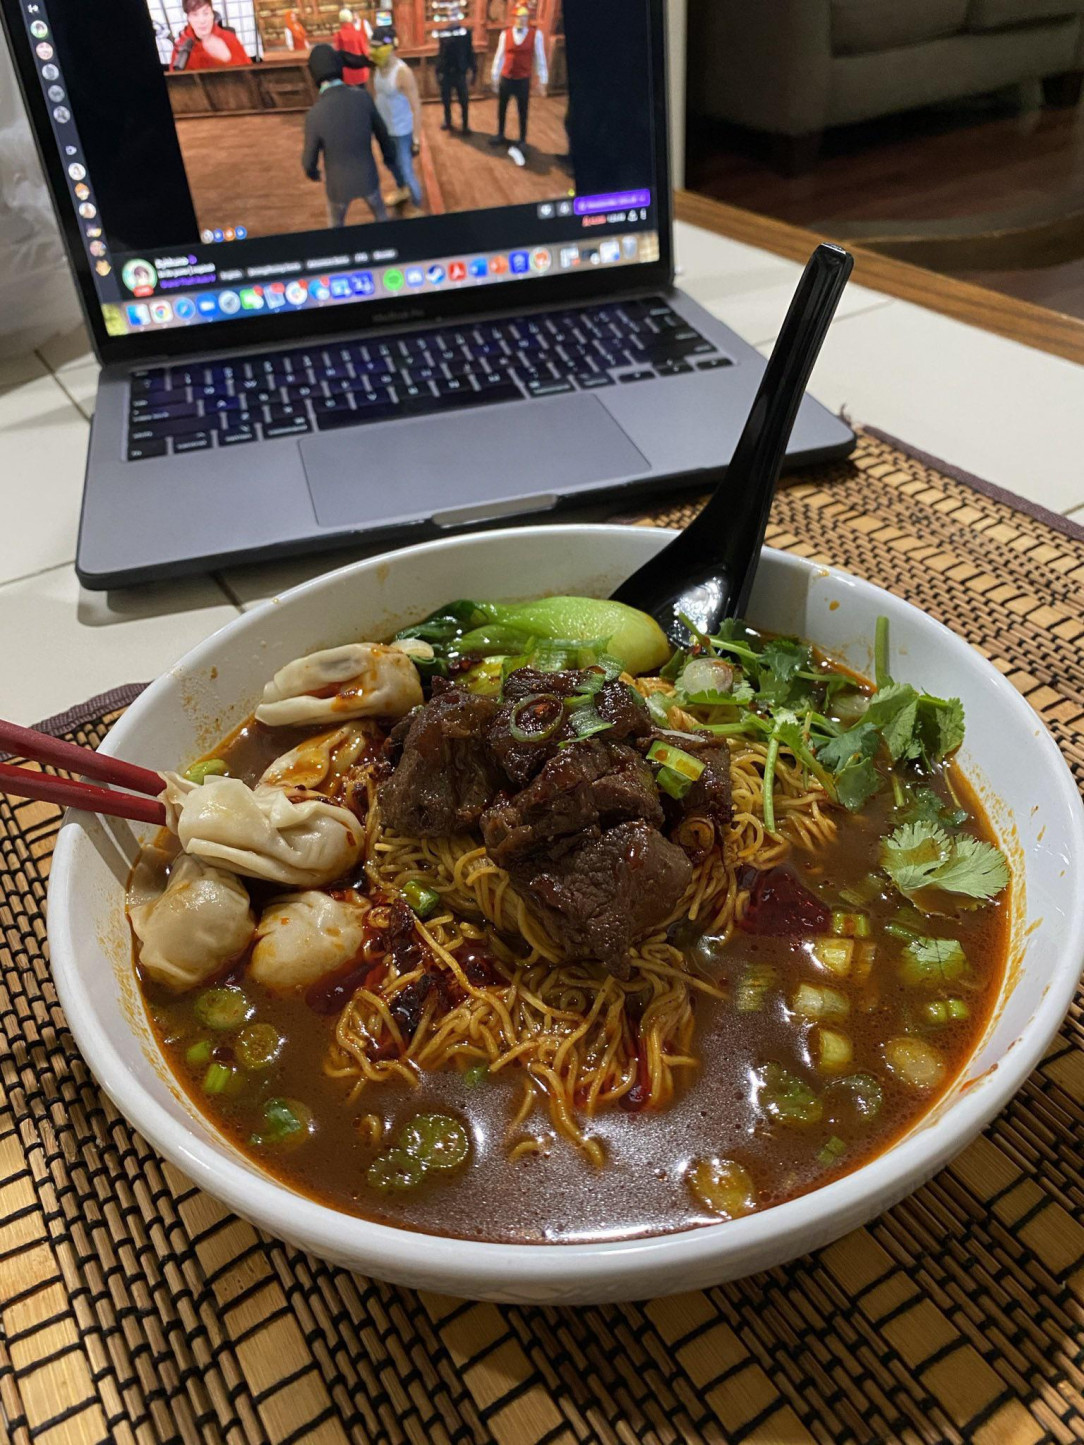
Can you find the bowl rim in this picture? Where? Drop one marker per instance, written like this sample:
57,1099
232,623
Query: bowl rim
477,1267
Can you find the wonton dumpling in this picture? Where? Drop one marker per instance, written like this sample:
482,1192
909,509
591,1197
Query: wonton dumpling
305,936
262,832
371,680
192,929
328,755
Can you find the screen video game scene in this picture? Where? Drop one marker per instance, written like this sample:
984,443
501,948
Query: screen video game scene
465,104
228,158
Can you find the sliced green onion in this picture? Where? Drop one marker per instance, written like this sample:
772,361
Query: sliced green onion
915,1061
901,930
834,954
850,925
395,1172
834,1051
437,1141
941,1011
485,678
475,1075
585,721
674,785
216,1078
422,900
199,1053
786,1098
222,1008
658,707
865,955
814,1002
832,1151
858,1096
754,986
722,1187
257,1046
208,768
676,759
286,1121
536,718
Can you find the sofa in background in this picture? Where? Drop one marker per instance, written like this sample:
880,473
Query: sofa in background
792,68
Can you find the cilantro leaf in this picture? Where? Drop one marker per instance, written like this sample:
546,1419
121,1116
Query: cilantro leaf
926,807
922,855
856,783
780,662
933,962
940,726
859,742
916,725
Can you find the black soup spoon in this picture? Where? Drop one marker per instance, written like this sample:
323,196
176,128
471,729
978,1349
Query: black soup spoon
706,574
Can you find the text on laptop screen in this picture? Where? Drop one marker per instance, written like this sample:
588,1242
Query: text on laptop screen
233,157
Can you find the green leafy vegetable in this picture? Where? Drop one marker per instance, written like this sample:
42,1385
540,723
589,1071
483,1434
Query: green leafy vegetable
786,1098
632,637
925,806
933,962
922,855
208,768
285,1121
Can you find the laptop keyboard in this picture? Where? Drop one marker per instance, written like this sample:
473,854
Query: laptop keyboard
196,406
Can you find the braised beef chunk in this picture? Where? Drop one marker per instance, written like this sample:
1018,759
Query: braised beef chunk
709,796
588,784
445,775
615,703
601,895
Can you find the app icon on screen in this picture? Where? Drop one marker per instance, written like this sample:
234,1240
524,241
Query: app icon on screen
97,248
630,247
340,287
415,276
77,172
56,94
82,190
275,295
610,250
241,232
435,275
252,298
570,256
541,259
62,115
161,312
50,72
87,211
479,268
393,279
363,283
520,263
103,268
296,293
498,265
184,308
218,234
44,51
207,235
38,29
229,233
139,276
318,290
457,271
137,314
229,303
207,304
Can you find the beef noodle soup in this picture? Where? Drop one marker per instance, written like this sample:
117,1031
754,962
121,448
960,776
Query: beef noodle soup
524,927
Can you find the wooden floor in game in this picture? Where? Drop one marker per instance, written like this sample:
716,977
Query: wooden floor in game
245,170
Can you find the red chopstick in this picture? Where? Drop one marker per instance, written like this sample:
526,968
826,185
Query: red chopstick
41,748
68,793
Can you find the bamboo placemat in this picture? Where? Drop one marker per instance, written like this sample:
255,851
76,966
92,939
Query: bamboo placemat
134,1308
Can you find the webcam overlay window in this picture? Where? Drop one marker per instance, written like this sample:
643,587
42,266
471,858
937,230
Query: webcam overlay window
233,157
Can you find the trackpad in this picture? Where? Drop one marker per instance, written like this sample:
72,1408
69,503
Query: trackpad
465,466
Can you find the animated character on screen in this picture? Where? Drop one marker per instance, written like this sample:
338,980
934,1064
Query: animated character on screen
295,34
400,108
521,56
205,42
352,39
340,127
457,67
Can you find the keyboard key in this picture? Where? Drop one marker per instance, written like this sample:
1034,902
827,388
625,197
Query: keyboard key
138,451
284,411
331,405
551,387
592,380
713,363
174,426
674,368
637,376
358,415
235,435
197,442
290,428
227,404
148,414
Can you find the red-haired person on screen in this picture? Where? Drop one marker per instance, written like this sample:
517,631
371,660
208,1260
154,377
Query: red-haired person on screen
205,42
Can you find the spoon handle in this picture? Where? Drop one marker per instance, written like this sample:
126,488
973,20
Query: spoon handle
724,541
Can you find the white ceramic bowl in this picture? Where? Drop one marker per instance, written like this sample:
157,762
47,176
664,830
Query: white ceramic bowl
1027,787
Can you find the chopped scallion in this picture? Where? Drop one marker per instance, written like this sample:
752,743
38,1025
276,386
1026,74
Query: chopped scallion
813,1002
941,1011
834,1051
832,1151
199,1053
216,1078
422,900
222,1008
834,954
754,986
850,925
207,768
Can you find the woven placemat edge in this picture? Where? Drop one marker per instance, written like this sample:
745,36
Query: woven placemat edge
82,712
1055,520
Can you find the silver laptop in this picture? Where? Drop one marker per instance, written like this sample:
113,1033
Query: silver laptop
387,282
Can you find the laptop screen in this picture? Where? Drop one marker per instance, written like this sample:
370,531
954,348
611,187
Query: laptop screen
230,158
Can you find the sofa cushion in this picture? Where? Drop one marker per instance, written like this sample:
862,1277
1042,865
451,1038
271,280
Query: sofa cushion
996,14
862,26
